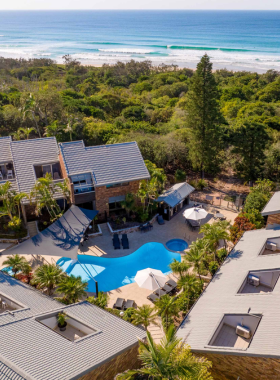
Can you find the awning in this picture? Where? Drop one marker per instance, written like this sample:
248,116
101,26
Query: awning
62,238
176,194
118,198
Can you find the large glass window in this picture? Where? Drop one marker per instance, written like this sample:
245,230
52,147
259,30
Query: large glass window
117,185
53,169
82,183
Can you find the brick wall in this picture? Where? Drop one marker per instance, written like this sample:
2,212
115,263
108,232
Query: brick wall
126,360
64,175
231,367
273,219
102,195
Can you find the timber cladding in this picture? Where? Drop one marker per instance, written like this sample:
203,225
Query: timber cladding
108,371
273,219
102,195
233,367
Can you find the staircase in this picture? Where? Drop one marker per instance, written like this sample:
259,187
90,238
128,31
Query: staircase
156,331
32,228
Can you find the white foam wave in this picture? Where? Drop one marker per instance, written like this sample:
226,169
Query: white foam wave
127,50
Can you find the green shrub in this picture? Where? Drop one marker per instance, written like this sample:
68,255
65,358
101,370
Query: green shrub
213,267
180,175
221,255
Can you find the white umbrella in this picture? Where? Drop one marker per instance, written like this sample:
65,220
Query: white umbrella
195,213
150,278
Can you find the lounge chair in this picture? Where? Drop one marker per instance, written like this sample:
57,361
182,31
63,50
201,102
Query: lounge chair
160,220
153,297
10,174
125,242
129,303
116,241
171,283
167,288
119,304
160,292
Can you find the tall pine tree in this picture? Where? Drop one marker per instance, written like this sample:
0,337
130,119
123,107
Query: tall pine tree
204,118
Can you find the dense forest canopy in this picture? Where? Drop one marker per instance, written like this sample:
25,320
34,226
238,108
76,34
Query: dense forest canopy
165,109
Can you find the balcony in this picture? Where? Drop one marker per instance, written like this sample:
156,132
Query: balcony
52,168
271,247
260,282
235,331
7,172
8,305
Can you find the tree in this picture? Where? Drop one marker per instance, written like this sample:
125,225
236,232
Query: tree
16,262
64,187
196,253
73,288
129,202
259,196
48,276
11,204
167,308
250,140
30,107
26,132
191,285
178,267
144,315
215,232
100,301
171,359
204,118
241,224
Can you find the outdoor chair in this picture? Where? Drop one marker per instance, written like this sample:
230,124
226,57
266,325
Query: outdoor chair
171,283
159,292
1,175
144,227
153,297
160,220
56,176
150,226
167,288
119,304
116,241
128,304
10,174
125,242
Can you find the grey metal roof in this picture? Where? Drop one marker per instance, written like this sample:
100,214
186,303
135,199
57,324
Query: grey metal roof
273,205
220,297
38,353
7,373
176,194
27,153
62,238
5,149
108,164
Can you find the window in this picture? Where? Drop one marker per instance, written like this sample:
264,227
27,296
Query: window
117,185
82,183
53,169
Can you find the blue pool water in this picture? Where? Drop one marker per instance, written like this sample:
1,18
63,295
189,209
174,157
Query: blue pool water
114,273
178,245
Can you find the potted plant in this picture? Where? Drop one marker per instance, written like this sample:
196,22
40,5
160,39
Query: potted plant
61,321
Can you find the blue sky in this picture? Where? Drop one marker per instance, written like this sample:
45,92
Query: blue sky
140,4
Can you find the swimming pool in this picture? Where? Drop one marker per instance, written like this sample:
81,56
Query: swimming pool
114,273
178,245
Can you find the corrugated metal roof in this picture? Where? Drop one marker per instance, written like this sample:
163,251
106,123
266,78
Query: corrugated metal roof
273,205
176,194
26,154
38,353
108,164
7,373
61,238
5,149
220,297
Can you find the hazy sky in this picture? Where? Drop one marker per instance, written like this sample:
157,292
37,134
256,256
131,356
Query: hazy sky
140,4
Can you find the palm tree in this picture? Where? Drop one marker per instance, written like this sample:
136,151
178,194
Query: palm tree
128,203
26,270
26,131
215,232
178,267
48,276
63,186
101,300
191,285
53,129
196,253
171,359
16,262
73,288
30,106
167,308
17,135
11,200
144,315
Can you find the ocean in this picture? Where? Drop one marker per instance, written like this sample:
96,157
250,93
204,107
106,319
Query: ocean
236,40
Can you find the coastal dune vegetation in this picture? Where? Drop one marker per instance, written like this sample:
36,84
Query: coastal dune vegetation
183,120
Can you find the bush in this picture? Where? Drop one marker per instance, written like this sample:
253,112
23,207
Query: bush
15,224
180,175
198,185
213,267
221,255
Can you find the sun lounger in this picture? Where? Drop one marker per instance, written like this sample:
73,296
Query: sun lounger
116,241
125,242
171,283
119,304
159,292
153,297
160,220
129,303
167,288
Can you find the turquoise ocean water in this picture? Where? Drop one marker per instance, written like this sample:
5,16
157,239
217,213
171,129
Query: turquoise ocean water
237,40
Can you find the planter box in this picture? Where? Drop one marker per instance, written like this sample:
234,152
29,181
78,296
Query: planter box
99,233
129,229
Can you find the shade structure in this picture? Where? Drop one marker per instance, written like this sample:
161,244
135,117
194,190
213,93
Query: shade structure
195,213
150,278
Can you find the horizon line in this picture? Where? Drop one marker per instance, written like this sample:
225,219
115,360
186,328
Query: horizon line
146,9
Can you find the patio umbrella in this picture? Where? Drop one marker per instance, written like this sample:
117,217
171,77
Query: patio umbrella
195,213
150,278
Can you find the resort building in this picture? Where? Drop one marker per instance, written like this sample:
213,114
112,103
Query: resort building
171,201
95,344
271,211
235,323
101,176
